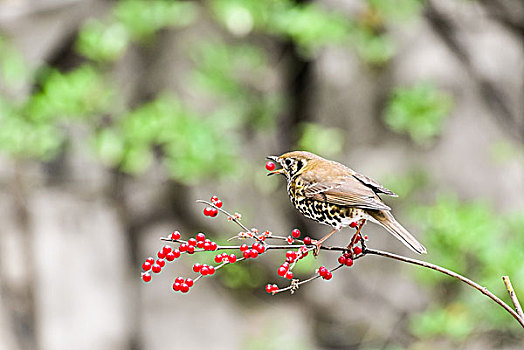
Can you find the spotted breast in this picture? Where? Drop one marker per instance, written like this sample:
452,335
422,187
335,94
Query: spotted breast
322,211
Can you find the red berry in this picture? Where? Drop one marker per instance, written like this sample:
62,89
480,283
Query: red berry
218,258
307,240
218,203
270,166
204,270
150,260
341,260
353,224
327,276
200,244
260,248
176,286
286,265
214,246
175,235
281,271
170,256
291,255
176,253
347,255
207,246
146,266
211,269
207,211
197,267
295,233
213,199
184,288
189,282
213,212
166,249
322,271
269,288
190,249
192,242
349,262
161,262
161,254
183,247
253,253
365,237
232,258
274,287
244,247
146,277
357,250
246,254
179,280
200,237
156,268
289,275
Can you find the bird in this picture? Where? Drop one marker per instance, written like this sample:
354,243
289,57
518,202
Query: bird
333,194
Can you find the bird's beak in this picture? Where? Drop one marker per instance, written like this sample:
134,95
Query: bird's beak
278,171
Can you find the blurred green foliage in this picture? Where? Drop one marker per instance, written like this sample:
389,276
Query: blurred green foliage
420,111
476,241
189,147
321,140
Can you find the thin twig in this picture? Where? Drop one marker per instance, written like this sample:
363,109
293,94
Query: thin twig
466,280
295,285
513,296
233,218
267,246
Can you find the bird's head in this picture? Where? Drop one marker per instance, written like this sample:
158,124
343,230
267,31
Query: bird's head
292,163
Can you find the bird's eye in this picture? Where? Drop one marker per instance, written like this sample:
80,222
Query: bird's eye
288,162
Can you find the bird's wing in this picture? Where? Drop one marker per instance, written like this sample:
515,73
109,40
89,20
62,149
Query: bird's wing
345,191
378,188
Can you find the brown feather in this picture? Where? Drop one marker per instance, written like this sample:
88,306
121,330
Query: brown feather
386,219
337,185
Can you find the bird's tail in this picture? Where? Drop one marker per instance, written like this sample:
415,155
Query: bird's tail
386,219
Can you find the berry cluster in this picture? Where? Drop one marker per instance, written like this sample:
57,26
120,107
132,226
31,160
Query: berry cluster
170,254
181,285
225,258
324,273
345,259
271,288
204,269
213,211
297,250
253,252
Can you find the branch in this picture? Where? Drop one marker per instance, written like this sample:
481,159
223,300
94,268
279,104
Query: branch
513,296
445,271
350,253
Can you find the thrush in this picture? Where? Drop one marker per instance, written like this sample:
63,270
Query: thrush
335,195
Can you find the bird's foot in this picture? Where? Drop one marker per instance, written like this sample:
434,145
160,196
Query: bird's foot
318,243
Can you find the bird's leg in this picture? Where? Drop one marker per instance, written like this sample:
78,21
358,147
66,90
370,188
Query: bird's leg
318,244
355,237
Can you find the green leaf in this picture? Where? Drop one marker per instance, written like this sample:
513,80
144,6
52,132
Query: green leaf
419,111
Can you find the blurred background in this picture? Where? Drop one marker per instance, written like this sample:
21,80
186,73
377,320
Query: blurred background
115,116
